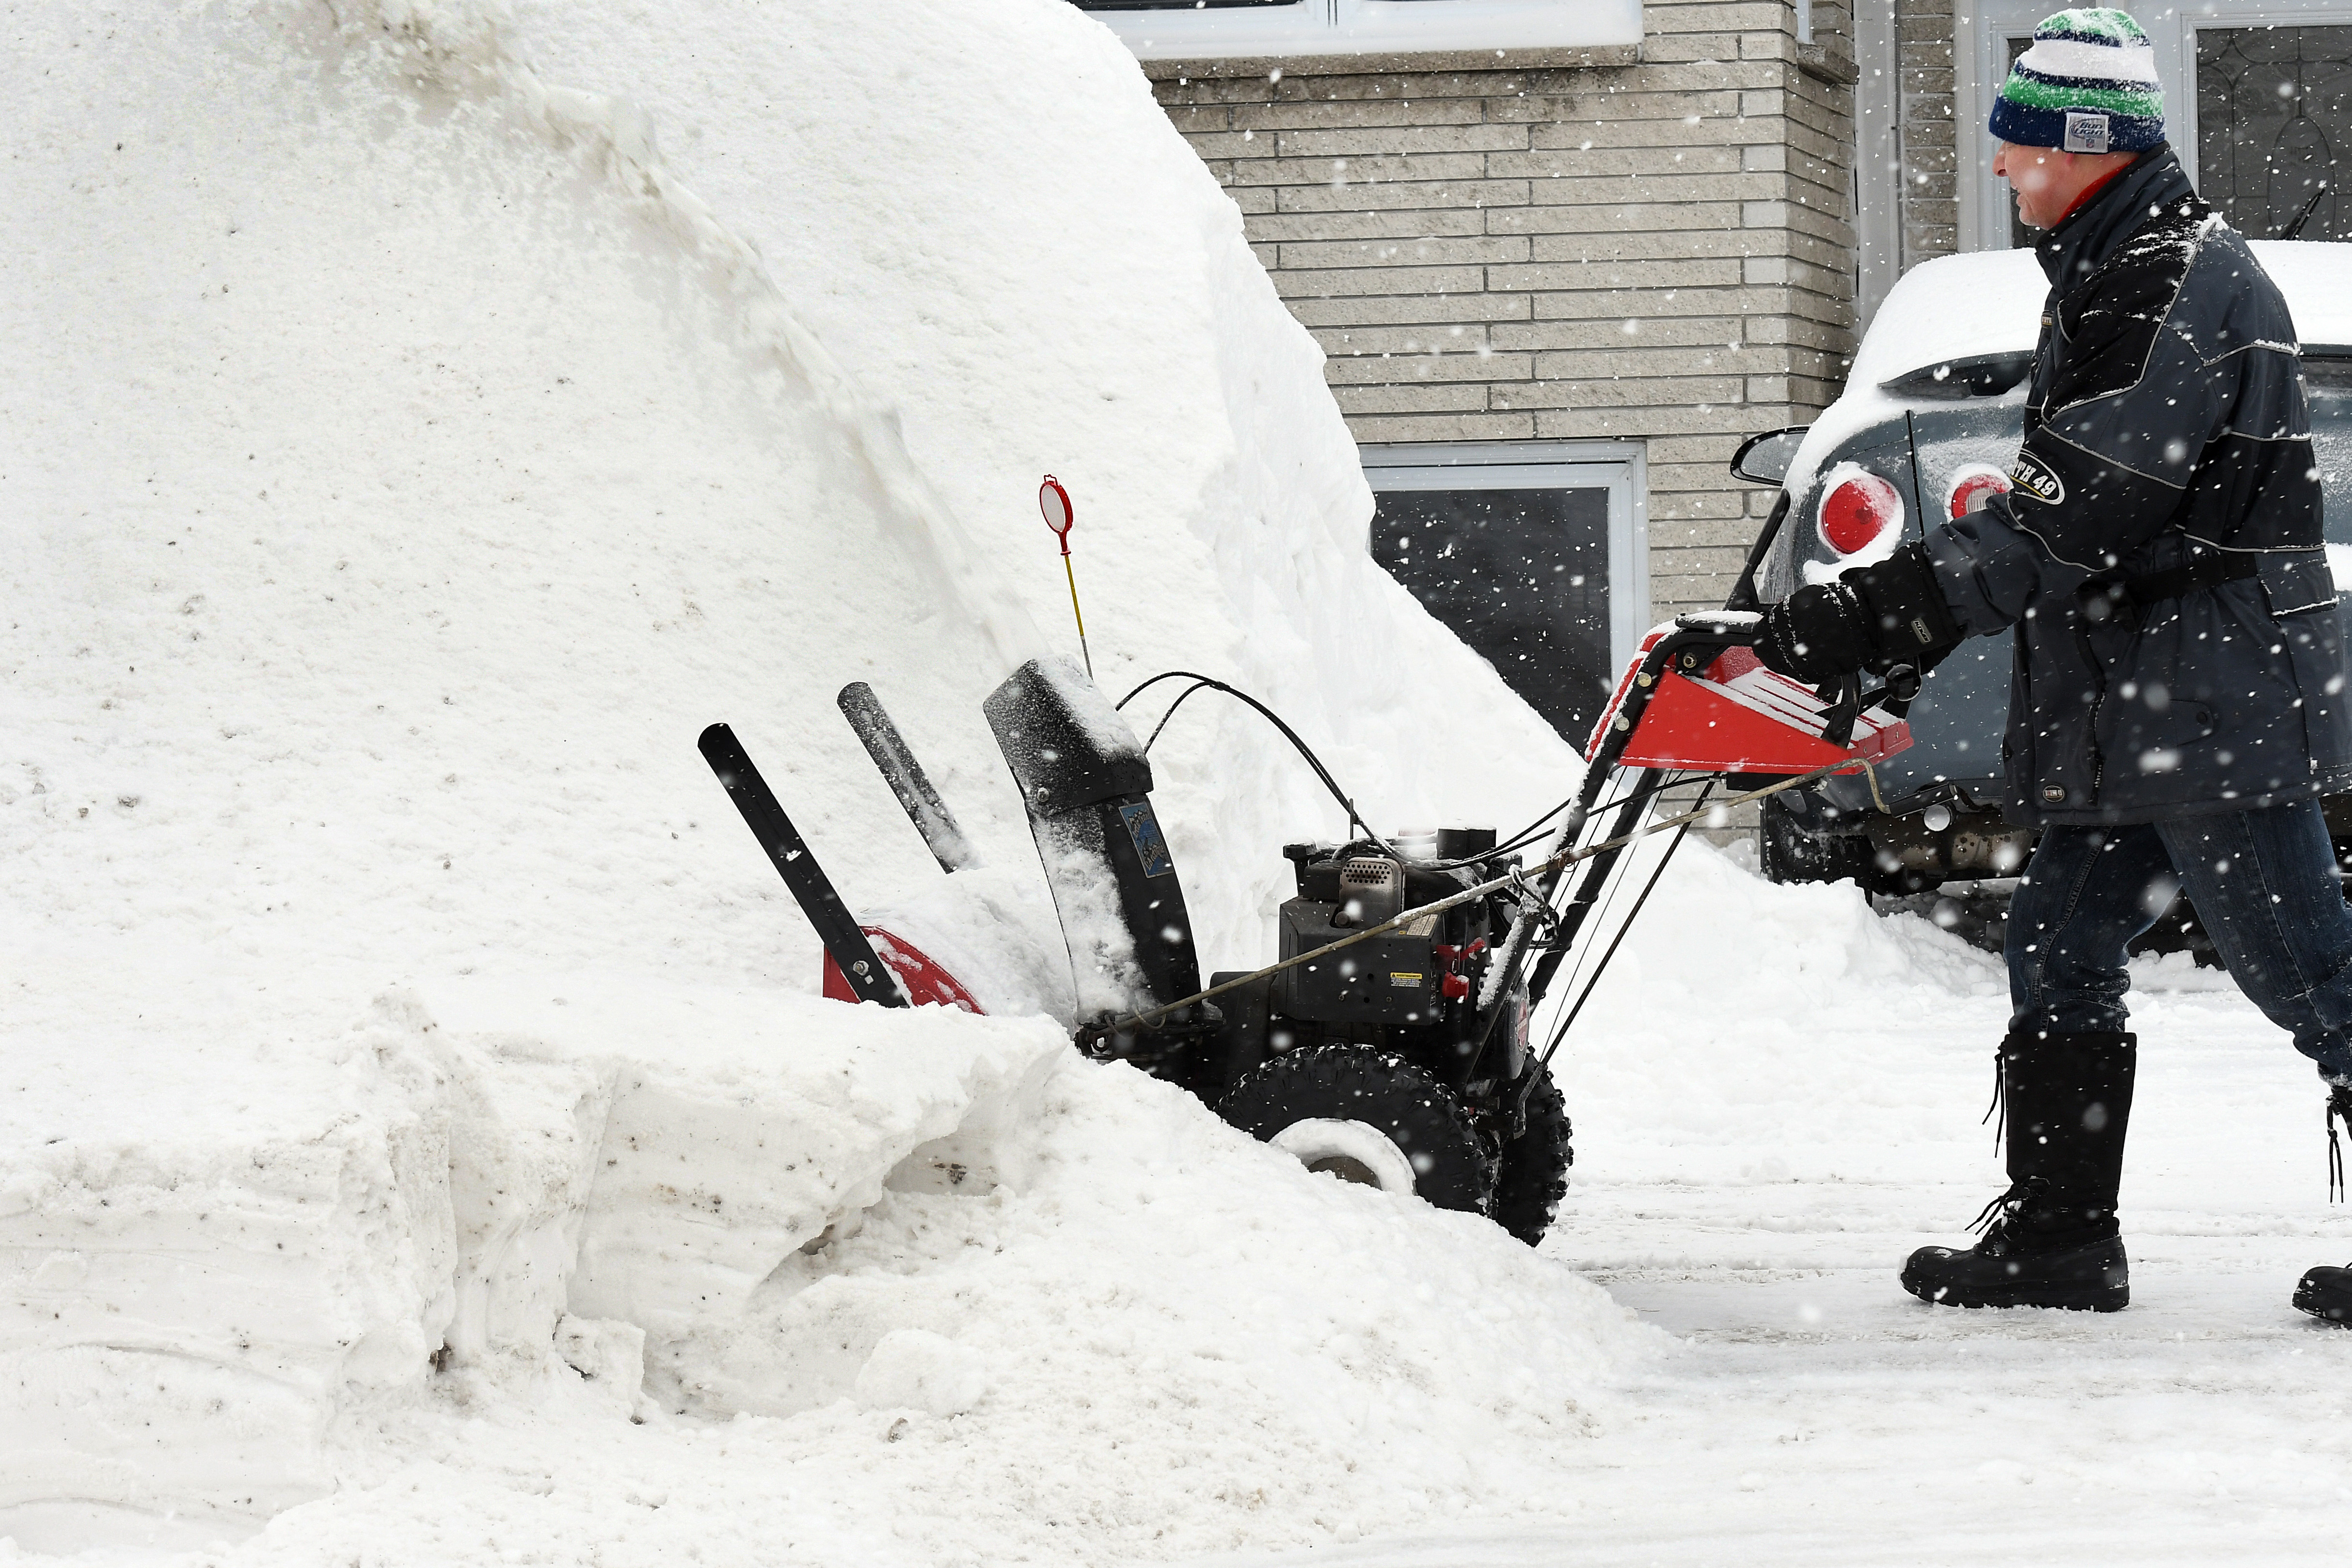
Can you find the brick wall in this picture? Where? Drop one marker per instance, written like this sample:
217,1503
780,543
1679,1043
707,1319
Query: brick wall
1930,168
1658,251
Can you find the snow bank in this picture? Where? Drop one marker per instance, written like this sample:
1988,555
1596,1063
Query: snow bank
409,455
1111,1330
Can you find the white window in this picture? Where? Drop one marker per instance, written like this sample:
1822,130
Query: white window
1214,29
1533,551
2255,103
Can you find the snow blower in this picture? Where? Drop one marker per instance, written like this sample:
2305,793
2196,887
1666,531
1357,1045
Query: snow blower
1389,1042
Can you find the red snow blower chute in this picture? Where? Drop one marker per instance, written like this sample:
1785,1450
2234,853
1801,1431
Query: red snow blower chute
1389,1041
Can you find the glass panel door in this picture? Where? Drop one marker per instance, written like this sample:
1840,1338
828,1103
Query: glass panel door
2274,119
1521,576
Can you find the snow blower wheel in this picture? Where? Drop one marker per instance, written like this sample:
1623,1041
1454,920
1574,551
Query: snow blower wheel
1404,1106
1533,1176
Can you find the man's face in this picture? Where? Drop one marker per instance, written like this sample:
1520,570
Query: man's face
2047,181
2041,178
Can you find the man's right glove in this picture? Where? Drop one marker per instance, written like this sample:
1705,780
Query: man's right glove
1870,618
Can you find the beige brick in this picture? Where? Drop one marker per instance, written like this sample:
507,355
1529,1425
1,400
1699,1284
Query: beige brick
1406,252
1326,282
1356,196
1438,397
1669,47
1652,248
1630,217
1350,113
1415,338
1371,369
1199,118
1710,331
1225,144
1404,224
1582,392
1648,363
1713,451
1715,97
1411,309
1569,163
1444,427
1381,141
1683,131
1699,273
1644,305
1342,172
1622,425
1655,189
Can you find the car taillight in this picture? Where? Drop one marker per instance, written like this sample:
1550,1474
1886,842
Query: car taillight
1974,487
1859,509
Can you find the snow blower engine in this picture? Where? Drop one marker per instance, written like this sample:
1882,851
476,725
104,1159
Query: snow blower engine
1388,1041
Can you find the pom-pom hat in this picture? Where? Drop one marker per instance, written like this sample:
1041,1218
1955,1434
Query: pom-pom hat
2087,85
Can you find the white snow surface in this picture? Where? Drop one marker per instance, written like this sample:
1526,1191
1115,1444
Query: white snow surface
408,457
420,1139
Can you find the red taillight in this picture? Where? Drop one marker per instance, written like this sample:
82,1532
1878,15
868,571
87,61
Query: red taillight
1974,487
1858,510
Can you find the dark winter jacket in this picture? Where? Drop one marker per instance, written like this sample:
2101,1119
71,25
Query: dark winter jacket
2167,448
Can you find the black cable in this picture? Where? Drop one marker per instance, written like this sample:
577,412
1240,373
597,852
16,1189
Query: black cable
1164,717
1355,818
1517,841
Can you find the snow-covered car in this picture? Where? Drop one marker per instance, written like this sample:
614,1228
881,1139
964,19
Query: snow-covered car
1933,413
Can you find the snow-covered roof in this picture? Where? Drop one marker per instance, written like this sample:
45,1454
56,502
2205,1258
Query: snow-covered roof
1991,302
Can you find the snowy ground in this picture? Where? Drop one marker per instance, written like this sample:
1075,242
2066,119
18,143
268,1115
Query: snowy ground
1750,1173
1807,1411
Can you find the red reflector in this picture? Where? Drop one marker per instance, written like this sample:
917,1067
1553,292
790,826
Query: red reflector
1974,487
1857,510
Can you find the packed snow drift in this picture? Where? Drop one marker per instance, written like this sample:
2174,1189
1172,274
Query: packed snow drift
423,419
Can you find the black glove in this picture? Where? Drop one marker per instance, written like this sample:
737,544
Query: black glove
1872,618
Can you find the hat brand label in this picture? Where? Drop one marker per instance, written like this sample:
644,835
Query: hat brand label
2085,132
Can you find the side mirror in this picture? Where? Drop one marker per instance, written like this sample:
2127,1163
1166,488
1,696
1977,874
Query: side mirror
1765,459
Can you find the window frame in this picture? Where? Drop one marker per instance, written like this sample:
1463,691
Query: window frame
1322,27
1619,467
2172,33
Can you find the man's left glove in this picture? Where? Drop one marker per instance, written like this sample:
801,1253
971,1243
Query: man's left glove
1871,618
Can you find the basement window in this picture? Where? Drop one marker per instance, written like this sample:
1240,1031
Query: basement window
1533,552
1220,30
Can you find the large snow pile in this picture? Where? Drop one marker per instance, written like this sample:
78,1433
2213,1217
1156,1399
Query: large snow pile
405,457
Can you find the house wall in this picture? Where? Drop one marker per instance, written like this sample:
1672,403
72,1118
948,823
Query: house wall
1929,151
1660,250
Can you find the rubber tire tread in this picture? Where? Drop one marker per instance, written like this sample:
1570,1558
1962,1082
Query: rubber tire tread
1533,1176
1358,1083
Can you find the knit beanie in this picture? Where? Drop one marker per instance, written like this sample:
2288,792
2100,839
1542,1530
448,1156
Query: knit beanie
2087,85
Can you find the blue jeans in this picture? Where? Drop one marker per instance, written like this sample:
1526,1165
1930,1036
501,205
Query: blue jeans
2263,884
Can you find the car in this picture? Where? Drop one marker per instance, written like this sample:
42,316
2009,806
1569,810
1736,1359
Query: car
1932,414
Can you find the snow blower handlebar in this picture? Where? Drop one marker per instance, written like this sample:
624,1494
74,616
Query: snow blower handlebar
1691,650
1515,882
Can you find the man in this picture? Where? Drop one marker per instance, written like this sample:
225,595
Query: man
2176,706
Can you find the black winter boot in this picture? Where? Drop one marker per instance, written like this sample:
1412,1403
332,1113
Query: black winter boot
2051,1241
2328,1293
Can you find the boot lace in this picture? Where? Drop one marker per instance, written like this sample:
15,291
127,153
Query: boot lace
1997,1216
2339,1109
1999,1108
